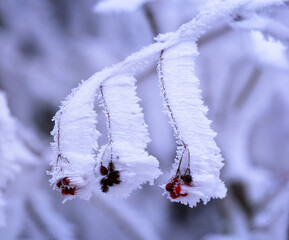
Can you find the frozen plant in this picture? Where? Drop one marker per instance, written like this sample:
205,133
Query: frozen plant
122,165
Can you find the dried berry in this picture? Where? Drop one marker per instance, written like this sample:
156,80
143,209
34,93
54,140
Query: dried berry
114,175
110,181
103,181
68,191
188,178
117,181
103,170
104,188
111,166
169,187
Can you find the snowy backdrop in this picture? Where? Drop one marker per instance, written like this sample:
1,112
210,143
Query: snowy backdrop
201,114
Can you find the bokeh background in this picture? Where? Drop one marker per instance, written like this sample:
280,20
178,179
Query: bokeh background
48,46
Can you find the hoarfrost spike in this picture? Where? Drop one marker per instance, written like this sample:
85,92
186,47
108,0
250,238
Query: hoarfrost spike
123,164
195,174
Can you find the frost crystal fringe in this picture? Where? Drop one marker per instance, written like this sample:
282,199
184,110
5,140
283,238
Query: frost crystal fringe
123,164
195,174
75,141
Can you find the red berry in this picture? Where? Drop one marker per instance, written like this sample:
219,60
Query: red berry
103,170
184,194
174,195
65,181
58,184
169,187
177,189
173,180
68,191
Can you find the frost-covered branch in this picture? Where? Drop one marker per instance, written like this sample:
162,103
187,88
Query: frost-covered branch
196,171
75,135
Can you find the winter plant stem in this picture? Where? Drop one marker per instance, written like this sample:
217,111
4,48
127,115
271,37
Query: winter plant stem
109,122
164,91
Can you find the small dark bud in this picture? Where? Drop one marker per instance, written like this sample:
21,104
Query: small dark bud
114,174
103,181
117,181
103,170
188,179
111,166
68,191
110,182
104,188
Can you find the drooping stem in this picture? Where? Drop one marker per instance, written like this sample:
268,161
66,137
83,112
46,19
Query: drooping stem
109,122
180,162
59,155
177,132
164,91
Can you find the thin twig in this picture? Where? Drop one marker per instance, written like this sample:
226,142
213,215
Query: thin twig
167,100
109,122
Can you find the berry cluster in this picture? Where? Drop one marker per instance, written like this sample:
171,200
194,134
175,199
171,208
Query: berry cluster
66,188
174,187
111,177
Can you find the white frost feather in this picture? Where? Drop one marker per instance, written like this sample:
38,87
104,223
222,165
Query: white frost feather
177,68
75,140
129,135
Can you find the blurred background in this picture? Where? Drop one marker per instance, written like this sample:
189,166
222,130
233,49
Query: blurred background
48,46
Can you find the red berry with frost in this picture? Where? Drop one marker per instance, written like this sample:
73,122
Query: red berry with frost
177,189
173,180
184,194
169,187
68,191
65,181
174,195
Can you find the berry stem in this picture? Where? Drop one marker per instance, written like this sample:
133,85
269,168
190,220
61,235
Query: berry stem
164,91
180,162
109,123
